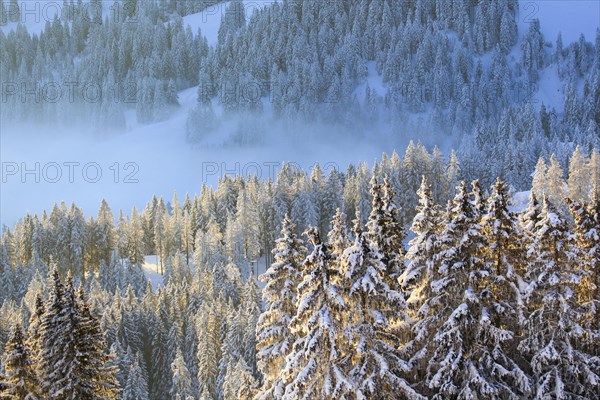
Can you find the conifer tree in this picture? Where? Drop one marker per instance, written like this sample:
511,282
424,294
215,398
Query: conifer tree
469,342
209,354
19,380
72,359
274,339
313,367
182,381
373,365
556,183
137,386
539,185
578,183
205,395
529,218
385,231
553,332
34,332
92,360
52,333
505,250
415,279
246,388
338,236
586,239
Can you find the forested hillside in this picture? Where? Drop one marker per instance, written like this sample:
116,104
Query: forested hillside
481,301
456,72
463,263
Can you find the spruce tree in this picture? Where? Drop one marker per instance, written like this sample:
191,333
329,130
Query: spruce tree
182,380
313,367
137,386
385,231
373,364
92,361
586,239
415,279
34,332
19,380
208,352
505,250
554,334
529,218
52,332
338,235
72,359
280,294
468,341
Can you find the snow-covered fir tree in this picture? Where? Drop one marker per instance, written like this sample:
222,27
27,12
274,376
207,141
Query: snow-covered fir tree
415,280
314,367
554,333
181,388
137,386
373,364
385,231
469,343
19,378
274,339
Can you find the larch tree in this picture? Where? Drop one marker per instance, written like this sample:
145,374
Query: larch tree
556,183
539,185
578,182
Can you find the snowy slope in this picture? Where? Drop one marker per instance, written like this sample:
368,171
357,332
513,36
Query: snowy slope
549,90
209,20
162,162
150,269
375,82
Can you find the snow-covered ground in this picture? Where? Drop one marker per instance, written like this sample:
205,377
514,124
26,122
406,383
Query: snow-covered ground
127,169
150,269
209,20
